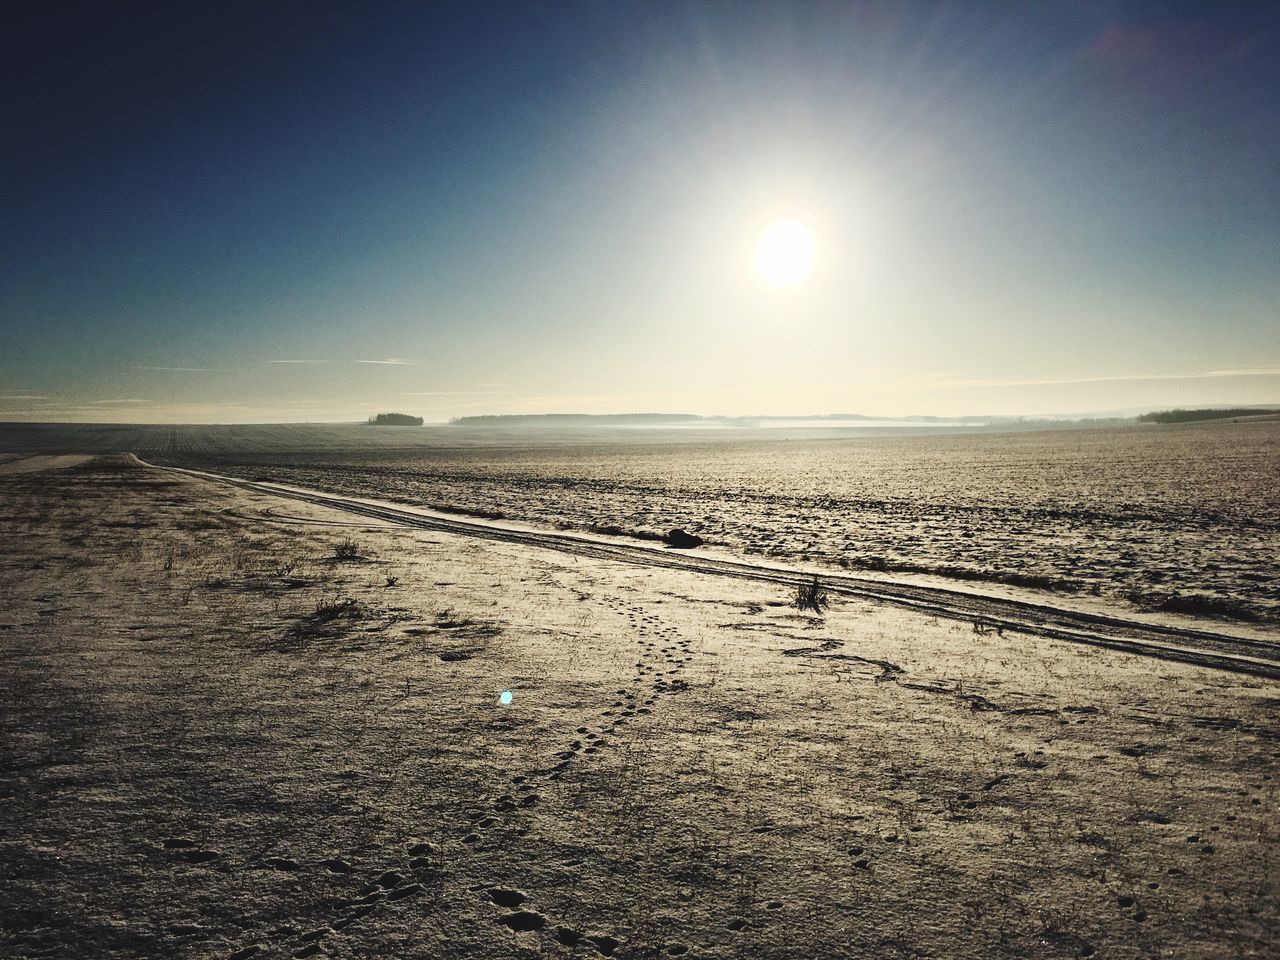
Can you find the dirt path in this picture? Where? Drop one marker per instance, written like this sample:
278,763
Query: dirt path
1258,657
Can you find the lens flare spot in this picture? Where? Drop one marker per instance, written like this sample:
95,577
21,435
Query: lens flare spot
505,699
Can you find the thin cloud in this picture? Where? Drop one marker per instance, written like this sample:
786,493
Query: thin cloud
128,400
585,398
450,393
388,362
1124,378
178,369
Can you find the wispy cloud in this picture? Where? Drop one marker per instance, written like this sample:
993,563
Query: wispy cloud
137,410
450,393
388,362
1122,378
177,369
580,398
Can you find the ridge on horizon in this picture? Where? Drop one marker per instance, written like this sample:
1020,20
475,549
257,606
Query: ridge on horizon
658,420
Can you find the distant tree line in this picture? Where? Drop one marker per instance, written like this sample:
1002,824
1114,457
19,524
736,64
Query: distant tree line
1187,416
573,419
395,420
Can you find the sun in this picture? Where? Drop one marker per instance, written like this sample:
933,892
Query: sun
784,253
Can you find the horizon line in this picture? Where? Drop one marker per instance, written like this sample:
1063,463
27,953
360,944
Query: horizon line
1131,413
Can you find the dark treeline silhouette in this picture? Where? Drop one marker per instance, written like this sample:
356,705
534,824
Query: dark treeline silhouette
664,419
572,419
395,420
1188,416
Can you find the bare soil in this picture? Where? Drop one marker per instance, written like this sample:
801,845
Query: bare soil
228,733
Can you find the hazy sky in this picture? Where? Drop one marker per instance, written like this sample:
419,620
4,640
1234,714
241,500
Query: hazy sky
278,211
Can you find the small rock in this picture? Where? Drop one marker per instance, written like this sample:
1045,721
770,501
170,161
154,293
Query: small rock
679,540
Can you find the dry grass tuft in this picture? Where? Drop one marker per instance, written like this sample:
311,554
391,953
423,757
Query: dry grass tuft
812,596
347,550
325,619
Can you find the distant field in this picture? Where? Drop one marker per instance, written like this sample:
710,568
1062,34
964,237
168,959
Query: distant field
1181,518
163,440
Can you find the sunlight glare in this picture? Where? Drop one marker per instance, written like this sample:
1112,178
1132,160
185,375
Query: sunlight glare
784,253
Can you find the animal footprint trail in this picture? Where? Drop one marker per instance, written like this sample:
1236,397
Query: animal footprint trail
626,706
397,884
522,918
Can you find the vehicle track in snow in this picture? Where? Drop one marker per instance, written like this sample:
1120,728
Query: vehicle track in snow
1206,648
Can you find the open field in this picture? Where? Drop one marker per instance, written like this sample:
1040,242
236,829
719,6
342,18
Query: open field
241,725
1181,519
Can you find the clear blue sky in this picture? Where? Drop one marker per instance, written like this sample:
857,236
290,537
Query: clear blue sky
306,211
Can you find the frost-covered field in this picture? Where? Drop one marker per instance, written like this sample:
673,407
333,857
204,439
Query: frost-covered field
237,725
1178,518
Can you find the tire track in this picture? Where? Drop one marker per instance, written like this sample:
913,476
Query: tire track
1183,645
